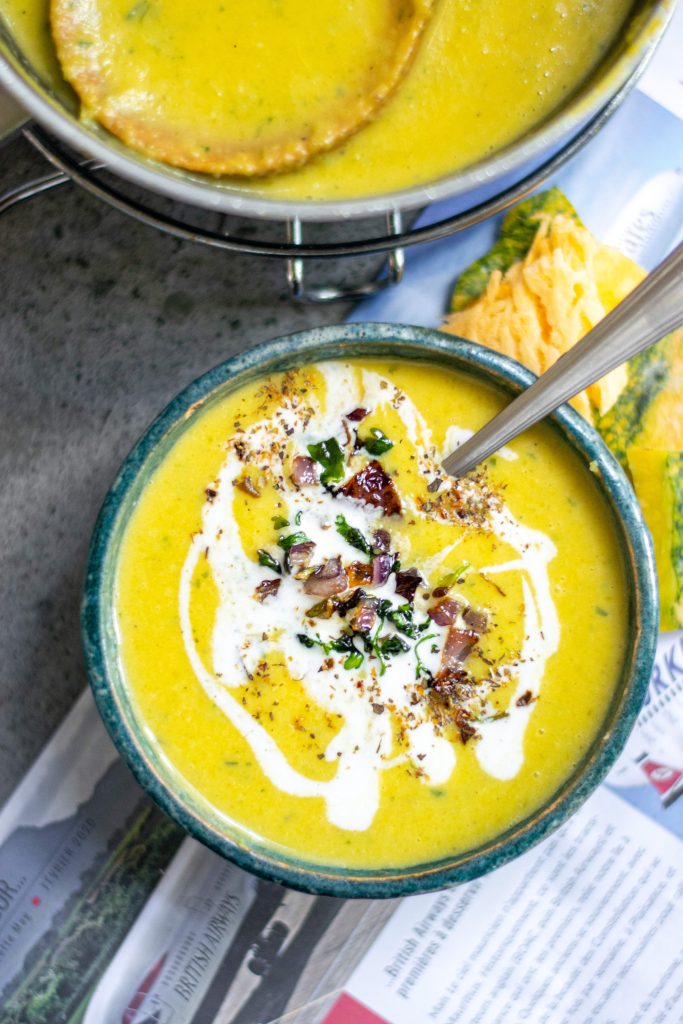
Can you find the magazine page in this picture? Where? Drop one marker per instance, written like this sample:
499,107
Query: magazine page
109,914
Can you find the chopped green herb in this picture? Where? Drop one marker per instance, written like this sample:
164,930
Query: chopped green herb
601,611
420,667
372,647
402,619
297,518
343,644
294,538
331,458
390,645
309,642
279,522
378,443
352,536
454,577
265,559
354,660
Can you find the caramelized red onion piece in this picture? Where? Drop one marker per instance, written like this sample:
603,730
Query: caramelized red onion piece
304,471
459,643
445,612
381,541
364,617
381,569
327,579
299,556
356,415
374,487
476,620
407,583
266,589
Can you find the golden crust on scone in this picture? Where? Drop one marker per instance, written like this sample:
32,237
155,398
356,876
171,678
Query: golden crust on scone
205,147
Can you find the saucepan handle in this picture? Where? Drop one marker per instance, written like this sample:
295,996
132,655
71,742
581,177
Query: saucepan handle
12,117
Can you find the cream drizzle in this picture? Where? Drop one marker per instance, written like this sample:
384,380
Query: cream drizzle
362,748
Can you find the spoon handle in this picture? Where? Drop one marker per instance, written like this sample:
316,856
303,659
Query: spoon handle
649,312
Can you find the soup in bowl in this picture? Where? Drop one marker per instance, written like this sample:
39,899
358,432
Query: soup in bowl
335,664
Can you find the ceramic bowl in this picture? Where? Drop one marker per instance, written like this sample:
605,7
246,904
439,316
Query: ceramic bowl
169,789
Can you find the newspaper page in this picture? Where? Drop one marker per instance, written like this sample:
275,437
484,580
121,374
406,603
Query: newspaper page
586,928
109,914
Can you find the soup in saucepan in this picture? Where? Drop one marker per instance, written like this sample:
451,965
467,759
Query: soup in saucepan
344,100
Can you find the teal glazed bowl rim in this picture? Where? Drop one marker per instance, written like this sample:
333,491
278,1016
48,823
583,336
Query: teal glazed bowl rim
188,808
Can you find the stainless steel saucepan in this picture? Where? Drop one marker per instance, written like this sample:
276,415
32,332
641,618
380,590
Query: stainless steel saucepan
29,72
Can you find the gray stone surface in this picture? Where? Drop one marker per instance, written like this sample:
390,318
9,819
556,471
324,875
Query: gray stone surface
102,321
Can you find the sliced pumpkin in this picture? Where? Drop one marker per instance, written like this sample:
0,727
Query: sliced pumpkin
658,480
538,301
541,287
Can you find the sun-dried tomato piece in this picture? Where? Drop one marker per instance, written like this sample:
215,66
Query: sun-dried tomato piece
375,487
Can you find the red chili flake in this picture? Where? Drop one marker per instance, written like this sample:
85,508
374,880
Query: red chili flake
356,415
525,699
210,493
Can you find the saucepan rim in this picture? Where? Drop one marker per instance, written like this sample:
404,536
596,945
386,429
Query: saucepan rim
615,76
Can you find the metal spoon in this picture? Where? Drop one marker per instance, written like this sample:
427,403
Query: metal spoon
649,312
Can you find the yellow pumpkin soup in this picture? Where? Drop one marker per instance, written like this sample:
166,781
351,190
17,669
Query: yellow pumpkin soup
348,654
